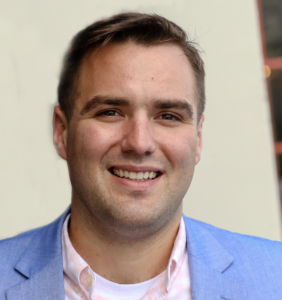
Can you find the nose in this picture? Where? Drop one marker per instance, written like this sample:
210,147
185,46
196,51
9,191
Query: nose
139,137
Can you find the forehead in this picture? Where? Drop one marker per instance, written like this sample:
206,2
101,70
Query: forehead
137,72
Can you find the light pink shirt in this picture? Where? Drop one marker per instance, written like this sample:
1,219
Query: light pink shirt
173,283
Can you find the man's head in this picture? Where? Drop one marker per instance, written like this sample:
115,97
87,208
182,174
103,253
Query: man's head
133,132
142,29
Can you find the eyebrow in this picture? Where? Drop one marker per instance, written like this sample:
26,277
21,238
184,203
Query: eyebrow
120,101
176,104
98,100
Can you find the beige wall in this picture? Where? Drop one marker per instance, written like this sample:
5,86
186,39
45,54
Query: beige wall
235,184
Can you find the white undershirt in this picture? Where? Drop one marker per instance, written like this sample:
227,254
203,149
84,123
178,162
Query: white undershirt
115,291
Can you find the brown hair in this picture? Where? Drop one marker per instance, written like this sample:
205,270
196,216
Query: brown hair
142,29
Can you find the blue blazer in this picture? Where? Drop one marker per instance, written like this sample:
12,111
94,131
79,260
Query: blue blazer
223,265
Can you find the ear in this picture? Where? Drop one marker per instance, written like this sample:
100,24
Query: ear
60,129
199,139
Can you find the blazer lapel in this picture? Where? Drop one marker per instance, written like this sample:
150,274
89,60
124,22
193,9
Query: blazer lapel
41,263
208,261
45,285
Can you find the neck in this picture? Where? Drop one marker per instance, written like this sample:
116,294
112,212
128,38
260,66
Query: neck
117,260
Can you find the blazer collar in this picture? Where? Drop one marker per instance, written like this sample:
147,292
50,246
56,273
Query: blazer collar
208,261
42,264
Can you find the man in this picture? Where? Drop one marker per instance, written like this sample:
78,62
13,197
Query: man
129,124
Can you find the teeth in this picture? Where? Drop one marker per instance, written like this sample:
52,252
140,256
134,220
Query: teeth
132,175
140,176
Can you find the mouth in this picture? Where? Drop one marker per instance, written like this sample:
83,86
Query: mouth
135,176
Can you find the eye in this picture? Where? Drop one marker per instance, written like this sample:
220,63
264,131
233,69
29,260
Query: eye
169,117
110,113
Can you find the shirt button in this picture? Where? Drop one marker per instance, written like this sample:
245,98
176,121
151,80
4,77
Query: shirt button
76,289
88,280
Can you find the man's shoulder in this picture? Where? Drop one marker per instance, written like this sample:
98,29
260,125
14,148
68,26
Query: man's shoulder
223,233
11,249
252,263
241,245
18,243
36,246
26,254
226,237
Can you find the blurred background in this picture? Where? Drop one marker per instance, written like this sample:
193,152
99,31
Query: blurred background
236,186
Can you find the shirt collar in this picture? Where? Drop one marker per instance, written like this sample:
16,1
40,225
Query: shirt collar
177,255
73,263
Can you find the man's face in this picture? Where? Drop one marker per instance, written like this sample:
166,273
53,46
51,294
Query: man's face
135,116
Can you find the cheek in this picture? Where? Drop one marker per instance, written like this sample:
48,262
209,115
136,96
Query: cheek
92,141
180,149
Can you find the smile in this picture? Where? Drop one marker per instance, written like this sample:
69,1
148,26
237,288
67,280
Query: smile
135,176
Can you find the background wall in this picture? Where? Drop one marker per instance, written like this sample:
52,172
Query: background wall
235,185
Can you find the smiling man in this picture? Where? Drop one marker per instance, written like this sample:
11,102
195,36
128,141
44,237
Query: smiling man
129,124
